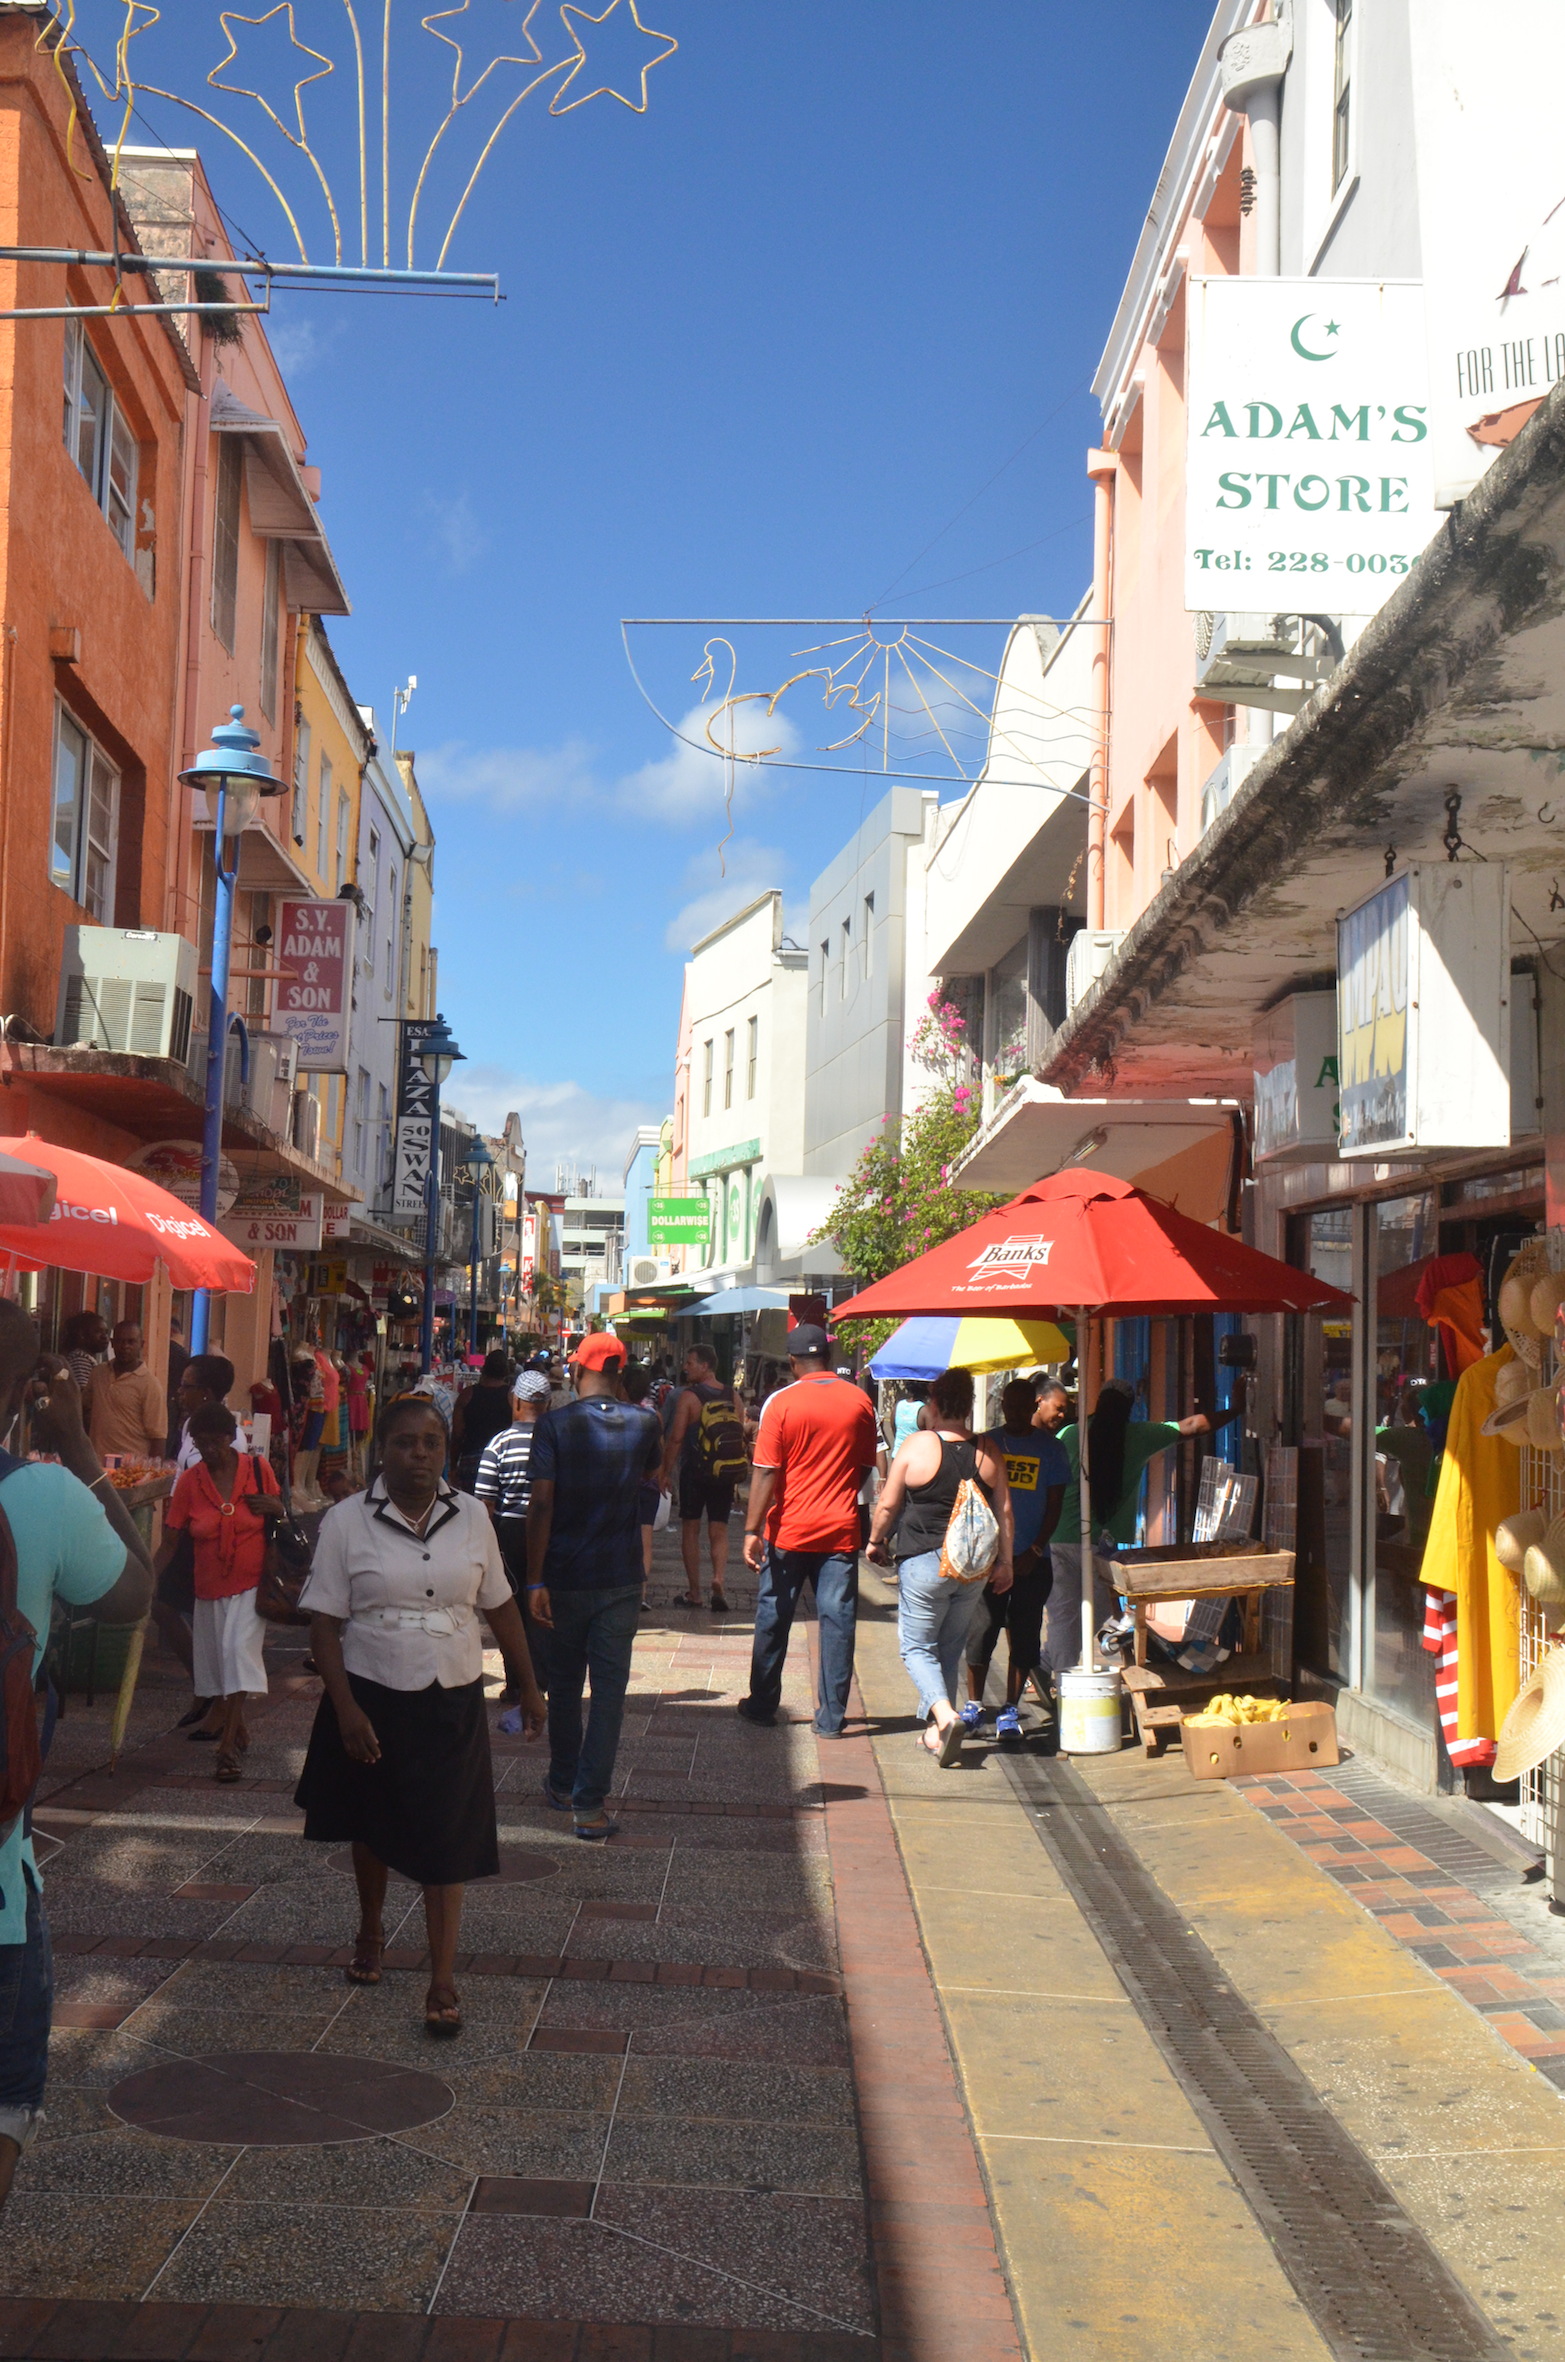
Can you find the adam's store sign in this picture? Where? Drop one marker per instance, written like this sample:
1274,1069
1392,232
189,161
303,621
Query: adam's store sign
1309,487
315,952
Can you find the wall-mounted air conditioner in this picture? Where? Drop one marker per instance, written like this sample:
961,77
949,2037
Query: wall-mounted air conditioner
1223,783
1090,952
642,1271
126,988
307,1123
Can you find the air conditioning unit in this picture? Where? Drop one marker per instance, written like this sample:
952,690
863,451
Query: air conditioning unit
1239,658
307,1123
1090,951
1223,783
126,988
642,1271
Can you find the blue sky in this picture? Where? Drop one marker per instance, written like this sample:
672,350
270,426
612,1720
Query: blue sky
760,346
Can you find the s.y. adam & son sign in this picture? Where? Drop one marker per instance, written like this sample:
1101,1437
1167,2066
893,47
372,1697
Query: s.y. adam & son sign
1308,484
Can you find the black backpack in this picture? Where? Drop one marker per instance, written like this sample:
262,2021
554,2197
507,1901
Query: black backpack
719,1435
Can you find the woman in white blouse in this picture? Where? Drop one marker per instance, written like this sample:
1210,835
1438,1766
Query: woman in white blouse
398,1759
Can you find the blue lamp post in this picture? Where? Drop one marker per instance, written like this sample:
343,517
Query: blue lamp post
437,1053
478,1162
235,776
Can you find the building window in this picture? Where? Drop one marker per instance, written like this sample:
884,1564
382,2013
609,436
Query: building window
86,820
706,1078
323,818
847,955
344,821
373,866
98,437
333,1109
299,821
866,954
728,1067
1342,95
825,971
255,986
752,1057
361,1117
225,540
271,603
391,921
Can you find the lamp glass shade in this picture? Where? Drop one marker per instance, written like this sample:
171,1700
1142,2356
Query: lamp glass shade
241,800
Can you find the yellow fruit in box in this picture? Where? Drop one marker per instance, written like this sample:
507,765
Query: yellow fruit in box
1236,1712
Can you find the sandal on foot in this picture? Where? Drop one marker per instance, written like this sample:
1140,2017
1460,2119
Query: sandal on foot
364,1967
951,1743
227,1767
717,1603
442,2012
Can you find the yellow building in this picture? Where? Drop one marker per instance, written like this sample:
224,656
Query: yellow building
421,959
331,747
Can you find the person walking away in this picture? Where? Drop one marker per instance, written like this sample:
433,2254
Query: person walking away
361,1412
84,1340
72,1541
590,1458
309,1394
206,1378
398,1762
706,1444
636,1386
817,1439
332,1468
127,1411
1038,1473
904,1419
1118,1449
935,1607
483,1411
504,1485
226,1504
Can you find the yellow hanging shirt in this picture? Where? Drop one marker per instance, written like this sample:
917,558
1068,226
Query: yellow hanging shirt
1480,1482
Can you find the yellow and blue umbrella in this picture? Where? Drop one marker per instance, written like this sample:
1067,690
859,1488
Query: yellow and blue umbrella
922,1348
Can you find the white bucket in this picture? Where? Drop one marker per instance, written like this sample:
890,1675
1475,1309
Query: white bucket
1089,1710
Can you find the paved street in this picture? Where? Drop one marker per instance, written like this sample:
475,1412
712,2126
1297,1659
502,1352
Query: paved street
819,2058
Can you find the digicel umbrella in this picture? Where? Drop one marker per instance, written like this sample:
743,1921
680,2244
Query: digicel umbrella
117,1225
26,1191
1080,1243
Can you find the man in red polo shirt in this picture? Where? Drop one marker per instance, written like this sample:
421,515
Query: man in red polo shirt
817,1439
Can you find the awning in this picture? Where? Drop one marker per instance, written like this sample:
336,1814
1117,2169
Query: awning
1176,1149
742,1300
280,505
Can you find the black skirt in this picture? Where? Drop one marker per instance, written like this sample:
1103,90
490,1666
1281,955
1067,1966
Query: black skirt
427,1808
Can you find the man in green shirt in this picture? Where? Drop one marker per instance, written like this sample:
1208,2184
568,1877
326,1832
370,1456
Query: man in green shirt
1119,1448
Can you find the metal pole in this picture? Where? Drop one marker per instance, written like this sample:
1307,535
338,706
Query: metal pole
216,1057
426,1334
1084,1497
472,1265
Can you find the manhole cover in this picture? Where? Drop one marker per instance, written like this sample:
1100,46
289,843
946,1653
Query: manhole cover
517,1867
278,2099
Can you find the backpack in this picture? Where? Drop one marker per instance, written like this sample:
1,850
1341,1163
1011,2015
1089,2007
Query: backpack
719,1439
972,1536
21,1755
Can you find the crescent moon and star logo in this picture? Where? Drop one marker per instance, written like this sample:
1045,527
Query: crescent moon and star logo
1296,337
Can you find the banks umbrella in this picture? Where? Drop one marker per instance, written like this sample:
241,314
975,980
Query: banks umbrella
1082,1244
954,1341
117,1225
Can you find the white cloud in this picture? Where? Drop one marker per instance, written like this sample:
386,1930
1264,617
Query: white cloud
726,883
457,532
691,780
509,778
563,1121
296,345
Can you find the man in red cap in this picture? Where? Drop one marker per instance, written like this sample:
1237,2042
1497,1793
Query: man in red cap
589,1460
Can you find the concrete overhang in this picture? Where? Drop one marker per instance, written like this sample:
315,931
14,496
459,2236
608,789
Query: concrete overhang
281,506
159,1099
793,1206
1184,1144
1457,684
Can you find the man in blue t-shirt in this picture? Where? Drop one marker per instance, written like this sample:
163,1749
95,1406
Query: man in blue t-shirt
74,1542
589,1461
1038,1472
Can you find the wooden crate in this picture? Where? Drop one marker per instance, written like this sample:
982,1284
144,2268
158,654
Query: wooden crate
1305,1741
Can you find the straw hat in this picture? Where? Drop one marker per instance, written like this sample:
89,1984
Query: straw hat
1515,1300
1543,1571
1515,1536
1548,1294
1513,1382
1535,1725
1543,1421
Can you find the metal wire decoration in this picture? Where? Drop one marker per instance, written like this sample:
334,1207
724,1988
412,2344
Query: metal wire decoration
464,57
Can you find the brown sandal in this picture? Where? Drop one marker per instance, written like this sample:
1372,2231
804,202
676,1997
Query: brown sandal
227,1767
442,2011
364,1967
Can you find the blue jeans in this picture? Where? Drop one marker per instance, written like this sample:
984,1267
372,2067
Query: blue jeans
933,1616
594,1633
835,1576
26,2001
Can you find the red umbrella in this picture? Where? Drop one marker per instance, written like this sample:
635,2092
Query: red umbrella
1079,1243
26,1191
117,1225
1083,1241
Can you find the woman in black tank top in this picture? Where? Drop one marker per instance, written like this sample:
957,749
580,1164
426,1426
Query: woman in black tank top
934,1610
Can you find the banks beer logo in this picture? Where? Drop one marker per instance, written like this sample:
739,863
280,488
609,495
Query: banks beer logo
1013,1255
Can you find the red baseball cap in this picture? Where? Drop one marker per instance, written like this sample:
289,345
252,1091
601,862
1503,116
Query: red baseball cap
599,1352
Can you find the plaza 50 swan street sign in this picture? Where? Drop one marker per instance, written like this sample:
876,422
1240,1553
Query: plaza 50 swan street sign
1308,482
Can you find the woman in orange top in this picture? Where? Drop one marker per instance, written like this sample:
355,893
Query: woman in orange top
227,1501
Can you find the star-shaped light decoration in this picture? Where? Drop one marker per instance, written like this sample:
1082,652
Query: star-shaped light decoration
560,105
228,18
477,53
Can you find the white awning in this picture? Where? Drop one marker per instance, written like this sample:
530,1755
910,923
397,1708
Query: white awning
1034,1131
280,505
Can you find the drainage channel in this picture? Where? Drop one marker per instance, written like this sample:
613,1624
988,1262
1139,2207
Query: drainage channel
1368,2277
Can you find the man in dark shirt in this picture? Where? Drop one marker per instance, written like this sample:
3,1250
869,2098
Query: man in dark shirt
590,1458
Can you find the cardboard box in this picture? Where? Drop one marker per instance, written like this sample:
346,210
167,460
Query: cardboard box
1305,1740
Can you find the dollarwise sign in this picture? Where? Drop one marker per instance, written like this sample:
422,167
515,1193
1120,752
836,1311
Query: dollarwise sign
1308,485
314,994
679,1219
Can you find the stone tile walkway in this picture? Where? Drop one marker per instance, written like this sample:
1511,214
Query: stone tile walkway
665,2131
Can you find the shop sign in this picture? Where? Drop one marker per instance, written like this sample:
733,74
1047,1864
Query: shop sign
415,1115
287,1217
686,1220
1486,124
1423,1012
337,1218
314,996
1308,482
1296,1078
328,1279
175,1165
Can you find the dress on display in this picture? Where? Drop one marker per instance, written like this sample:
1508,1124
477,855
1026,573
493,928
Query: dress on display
1473,1611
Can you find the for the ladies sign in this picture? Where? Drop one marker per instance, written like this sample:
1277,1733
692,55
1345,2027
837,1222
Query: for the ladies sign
1308,486
314,994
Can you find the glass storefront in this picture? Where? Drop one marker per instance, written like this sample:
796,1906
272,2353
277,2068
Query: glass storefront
1399,1672
1322,1415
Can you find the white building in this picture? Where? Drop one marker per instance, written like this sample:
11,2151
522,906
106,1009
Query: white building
745,989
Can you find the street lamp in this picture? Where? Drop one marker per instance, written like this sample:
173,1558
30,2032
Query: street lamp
235,776
437,1053
477,1163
